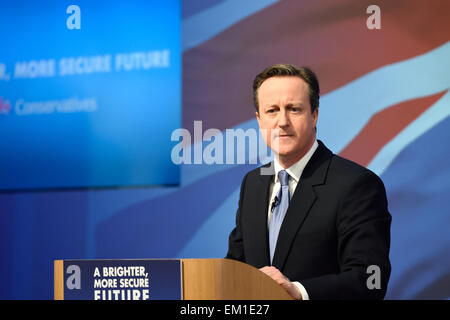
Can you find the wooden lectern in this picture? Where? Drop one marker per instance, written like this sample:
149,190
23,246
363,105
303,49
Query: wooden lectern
211,279
224,279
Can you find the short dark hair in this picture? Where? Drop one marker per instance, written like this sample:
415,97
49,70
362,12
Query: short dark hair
282,70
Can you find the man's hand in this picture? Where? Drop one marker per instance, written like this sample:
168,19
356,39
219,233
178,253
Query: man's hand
276,275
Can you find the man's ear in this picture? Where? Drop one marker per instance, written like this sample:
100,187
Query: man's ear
257,116
316,116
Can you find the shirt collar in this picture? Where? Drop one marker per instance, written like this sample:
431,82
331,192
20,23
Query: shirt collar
296,170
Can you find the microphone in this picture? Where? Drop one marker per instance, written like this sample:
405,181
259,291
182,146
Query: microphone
274,204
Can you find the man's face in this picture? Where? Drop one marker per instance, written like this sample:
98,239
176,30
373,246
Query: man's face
285,119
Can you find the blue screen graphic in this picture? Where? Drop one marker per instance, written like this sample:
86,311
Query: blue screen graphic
89,93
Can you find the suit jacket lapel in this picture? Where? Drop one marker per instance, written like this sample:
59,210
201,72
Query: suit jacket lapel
302,201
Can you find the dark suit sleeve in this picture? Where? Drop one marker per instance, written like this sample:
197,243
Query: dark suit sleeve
235,242
363,235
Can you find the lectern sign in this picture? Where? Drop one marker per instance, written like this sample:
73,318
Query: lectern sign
151,279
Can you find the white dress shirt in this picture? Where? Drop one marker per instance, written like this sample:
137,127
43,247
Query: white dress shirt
295,172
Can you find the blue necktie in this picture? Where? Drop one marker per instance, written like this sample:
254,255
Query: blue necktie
281,205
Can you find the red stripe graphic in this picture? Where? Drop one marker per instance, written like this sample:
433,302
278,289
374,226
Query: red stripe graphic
384,126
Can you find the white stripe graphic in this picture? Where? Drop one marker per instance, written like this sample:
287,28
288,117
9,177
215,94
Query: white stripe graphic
206,24
430,118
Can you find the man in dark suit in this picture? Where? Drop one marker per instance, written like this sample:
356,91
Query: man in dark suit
316,223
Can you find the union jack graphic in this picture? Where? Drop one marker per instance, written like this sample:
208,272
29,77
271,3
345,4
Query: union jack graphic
384,104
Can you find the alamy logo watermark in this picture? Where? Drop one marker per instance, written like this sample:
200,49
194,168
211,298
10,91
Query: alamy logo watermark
74,20
374,280
233,146
374,20
74,280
